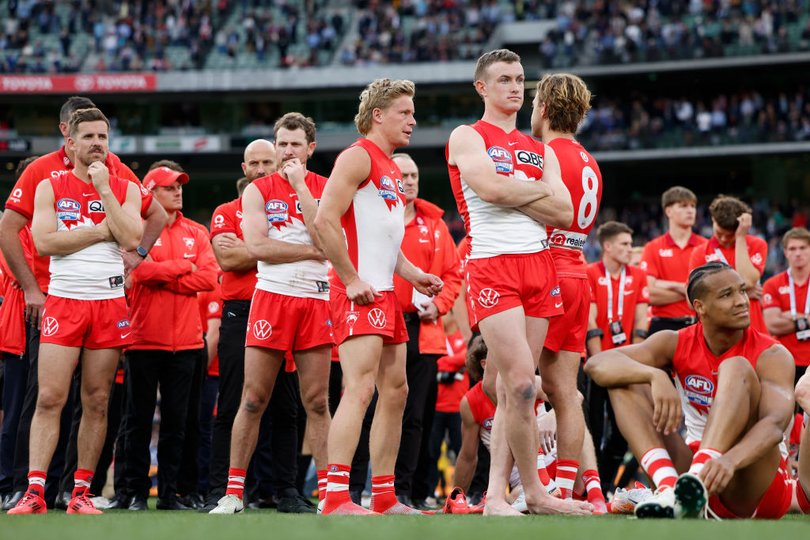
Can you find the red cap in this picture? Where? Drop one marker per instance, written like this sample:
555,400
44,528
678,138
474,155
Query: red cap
163,176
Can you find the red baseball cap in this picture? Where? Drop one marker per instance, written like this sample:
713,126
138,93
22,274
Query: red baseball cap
163,176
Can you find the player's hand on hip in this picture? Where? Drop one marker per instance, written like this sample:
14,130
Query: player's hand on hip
34,306
99,174
360,292
716,474
667,404
743,225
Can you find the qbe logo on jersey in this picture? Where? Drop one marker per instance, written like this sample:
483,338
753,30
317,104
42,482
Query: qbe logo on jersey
502,158
262,330
529,158
377,318
276,211
68,210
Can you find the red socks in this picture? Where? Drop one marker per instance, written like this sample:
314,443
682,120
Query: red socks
82,479
321,484
383,495
236,482
701,457
36,483
658,465
566,476
337,486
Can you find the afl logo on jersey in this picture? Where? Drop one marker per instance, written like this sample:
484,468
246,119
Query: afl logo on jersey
700,385
276,211
530,158
388,189
502,158
488,424
68,210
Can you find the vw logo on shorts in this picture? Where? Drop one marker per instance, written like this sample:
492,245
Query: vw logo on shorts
376,318
488,298
50,326
262,329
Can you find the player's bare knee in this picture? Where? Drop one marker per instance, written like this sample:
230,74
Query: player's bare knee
254,402
95,404
395,394
737,369
523,390
316,403
50,401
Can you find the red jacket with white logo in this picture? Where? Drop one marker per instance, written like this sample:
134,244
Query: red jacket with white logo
428,245
163,295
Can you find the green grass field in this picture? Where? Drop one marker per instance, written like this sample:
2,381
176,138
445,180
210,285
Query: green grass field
267,524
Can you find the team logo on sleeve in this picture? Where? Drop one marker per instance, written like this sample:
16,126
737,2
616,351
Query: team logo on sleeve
277,212
757,258
16,196
68,210
219,221
502,158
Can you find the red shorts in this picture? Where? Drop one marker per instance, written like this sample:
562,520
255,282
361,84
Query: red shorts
802,498
496,284
567,332
383,317
288,323
92,324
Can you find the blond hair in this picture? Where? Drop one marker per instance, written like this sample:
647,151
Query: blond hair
796,233
567,100
85,115
379,95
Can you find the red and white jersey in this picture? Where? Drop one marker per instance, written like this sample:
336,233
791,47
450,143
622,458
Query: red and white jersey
483,411
97,271
695,367
285,222
581,175
494,230
374,223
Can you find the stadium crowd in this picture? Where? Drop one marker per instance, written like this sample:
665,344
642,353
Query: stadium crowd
328,321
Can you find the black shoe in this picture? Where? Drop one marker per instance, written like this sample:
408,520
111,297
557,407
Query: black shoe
62,500
192,500
262,503
12,500
171,504
296,504
138,504
356,496
405,499
118,502
422,505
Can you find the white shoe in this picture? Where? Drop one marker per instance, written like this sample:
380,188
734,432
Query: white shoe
100,502
520,504
320,506
624,501
691,497
229,504
659,505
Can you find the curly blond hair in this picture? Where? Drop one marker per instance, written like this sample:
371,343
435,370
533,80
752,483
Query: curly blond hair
567,100
379,95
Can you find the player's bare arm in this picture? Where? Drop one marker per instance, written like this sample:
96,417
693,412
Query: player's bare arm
153,223
641,323
468,152
351,169
663,292
295,173
124,220
468,454
775,369
593,344
266,249
232,253
48,240
423,282
11,223
556,210
778,322
643,363
743,263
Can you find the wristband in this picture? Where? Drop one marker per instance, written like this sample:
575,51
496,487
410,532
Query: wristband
142,251
640,332
594,332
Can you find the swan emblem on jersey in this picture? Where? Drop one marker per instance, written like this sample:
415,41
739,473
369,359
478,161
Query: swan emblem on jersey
278,213
502,158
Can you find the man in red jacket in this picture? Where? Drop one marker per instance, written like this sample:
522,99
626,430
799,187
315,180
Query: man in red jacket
167,338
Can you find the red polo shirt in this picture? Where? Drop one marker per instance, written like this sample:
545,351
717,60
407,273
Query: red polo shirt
227,218
635,292
776,294
664,259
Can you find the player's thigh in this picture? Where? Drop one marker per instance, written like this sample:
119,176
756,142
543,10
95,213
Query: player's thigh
314,366
55,371
392,372
505,336
98,371
360,358
261,369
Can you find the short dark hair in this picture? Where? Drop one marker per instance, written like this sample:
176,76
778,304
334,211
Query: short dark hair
295,120
695,288
611,229
476,352
726,209
241,184
173,165
85,115
73,104
677,194
492,57
23,164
